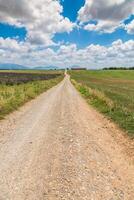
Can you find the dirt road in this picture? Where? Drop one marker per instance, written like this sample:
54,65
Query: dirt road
58,148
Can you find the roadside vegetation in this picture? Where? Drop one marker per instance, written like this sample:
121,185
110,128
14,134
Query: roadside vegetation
16,88
111,92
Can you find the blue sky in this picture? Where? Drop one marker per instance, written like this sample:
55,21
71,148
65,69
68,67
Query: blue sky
84,30
78,36
7,30
83,38
70,9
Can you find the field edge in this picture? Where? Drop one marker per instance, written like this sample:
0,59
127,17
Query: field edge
101,103
23,93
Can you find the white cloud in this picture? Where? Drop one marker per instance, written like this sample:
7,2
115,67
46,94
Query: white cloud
41,18
109,14
130,27
102,26
93,56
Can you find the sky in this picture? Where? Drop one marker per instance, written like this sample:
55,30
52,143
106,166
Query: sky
65,33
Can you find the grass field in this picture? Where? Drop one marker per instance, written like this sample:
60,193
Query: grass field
111,92
16,88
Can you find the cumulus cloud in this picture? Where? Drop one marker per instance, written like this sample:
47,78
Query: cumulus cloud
93,56
42,18
108,14
102,26
130,27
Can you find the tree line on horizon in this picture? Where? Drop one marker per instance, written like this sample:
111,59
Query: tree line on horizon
118,68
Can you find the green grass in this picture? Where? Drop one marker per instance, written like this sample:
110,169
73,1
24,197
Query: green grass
111,92
14,96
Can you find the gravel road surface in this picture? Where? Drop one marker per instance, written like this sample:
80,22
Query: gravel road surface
57,147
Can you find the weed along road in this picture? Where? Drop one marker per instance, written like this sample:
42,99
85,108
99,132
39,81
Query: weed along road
58,147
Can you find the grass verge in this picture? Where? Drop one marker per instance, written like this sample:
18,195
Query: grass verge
114,110
12,97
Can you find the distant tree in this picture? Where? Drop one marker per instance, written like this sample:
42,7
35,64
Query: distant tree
118,68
